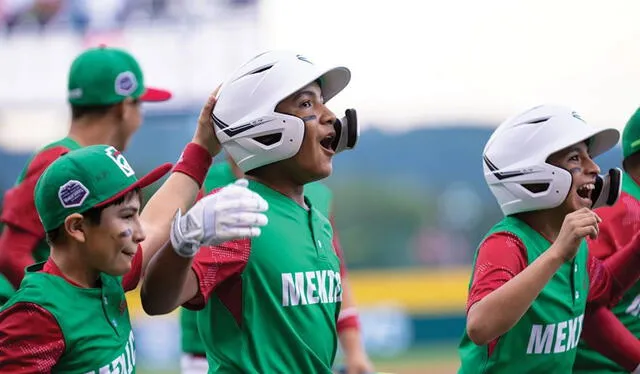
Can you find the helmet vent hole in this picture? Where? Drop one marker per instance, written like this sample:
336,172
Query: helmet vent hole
539,120
270,139
536,187
260,70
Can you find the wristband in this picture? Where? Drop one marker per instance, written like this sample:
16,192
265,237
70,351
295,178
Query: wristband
194,162
348,319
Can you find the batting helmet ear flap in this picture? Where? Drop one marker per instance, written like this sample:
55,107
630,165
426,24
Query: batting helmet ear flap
608,188
247,124
515,156
347,131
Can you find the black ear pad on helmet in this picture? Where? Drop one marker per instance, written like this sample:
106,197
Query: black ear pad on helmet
346,131
607,189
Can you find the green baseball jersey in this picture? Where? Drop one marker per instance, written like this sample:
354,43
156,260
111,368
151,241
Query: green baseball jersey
41,251
619,225
94,321
545,339
220,175
272,301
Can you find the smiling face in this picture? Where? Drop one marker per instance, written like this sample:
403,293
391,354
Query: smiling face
110,245
314,159
583,169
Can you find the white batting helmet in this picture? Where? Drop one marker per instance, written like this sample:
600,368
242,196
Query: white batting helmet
515,157
246,122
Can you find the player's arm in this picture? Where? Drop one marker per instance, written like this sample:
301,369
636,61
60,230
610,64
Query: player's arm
504,287
612,277
16,248
348,324
25,349
179,191
207,232
604,332
23,230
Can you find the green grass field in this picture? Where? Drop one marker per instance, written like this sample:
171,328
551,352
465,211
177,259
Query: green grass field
432,359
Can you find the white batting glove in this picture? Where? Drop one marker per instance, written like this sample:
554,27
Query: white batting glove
235,212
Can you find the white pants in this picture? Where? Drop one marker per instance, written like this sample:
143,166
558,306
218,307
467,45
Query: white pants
193,365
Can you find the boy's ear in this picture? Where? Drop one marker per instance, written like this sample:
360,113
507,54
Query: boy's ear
73,225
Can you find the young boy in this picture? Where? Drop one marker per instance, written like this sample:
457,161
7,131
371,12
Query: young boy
533,277
106,88
70,313
270,304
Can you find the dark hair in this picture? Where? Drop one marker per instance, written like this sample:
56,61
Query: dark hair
93,216
79,111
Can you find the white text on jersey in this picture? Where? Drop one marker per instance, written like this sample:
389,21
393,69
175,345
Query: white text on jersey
123,364
311,287
565,334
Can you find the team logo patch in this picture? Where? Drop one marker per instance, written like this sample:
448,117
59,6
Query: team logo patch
119,159
72,194
126,83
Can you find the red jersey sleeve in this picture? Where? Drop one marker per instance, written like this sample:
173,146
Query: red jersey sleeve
132,278
337,247
23,230
19,208
16,248
215,264
604,245
611,278
25,349
348,317
603,332
501,256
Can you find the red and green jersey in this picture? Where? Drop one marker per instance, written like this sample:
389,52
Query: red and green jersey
96,334
545,339
220,175
19,212
619,225
270,304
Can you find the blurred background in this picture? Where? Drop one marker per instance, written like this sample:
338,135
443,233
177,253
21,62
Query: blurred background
431,79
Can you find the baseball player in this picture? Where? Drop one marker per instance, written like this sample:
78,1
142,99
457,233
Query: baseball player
269,304
105,89
194,359
70,312
620,223
533,277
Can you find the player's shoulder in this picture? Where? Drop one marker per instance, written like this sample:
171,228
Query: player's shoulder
66,143
219,175
625,205
318,191
501,239
49,153
20,307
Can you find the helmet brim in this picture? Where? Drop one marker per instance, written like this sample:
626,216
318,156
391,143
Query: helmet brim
599,140
333,81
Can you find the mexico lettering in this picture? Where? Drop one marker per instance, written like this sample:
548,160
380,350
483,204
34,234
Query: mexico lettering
555,337
311,287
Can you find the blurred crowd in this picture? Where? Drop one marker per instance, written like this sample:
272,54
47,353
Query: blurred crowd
94,16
